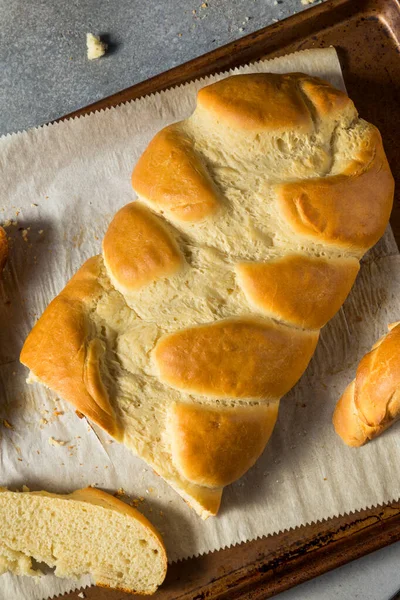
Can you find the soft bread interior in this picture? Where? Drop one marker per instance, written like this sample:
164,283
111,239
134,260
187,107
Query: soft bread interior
86,532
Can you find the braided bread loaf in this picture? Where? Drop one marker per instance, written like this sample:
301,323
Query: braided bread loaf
371,402
206,306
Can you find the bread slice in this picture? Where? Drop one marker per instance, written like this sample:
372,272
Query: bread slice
86,532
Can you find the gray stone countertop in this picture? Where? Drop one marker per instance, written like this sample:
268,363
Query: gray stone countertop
44,74
44,70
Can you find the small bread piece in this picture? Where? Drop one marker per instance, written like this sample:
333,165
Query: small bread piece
95,47
3,248
371,402
86,532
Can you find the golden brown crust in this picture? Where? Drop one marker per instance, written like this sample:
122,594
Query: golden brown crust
237,358
3,249
350,210
378,379
371,402
71,368
171,176
346,421
204,500
215,446
326,99
137,248
261,101
304,291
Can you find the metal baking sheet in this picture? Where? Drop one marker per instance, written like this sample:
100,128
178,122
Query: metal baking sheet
366,34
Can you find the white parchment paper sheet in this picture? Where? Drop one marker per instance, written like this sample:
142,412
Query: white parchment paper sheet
63,183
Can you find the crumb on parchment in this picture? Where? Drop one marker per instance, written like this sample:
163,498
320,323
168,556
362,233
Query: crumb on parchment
7,424
54,442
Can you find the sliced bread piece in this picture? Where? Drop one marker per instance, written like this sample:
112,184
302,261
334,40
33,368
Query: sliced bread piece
86,532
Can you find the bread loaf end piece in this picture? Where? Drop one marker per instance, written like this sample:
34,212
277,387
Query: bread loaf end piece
371,402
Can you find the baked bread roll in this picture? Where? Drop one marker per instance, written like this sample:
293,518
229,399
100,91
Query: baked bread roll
86,532
371,402
206,306
3,249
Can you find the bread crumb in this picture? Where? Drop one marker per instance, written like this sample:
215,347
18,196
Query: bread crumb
81,595
43,422
34,204
25,234
120,492
40,231
25,488
109,441
306,2
204,5
95,47
57,413
54,442
7,424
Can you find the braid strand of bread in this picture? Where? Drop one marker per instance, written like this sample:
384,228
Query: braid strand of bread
206,306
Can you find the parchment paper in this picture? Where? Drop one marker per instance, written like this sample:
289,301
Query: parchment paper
63,183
